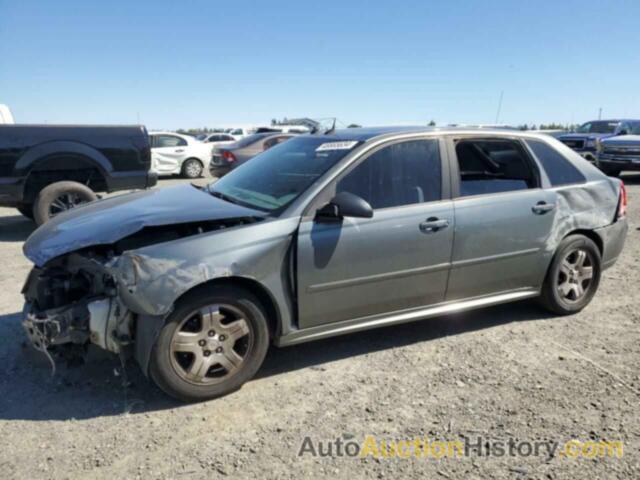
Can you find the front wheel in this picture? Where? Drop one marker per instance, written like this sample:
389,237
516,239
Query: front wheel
192,168
573,277
213,342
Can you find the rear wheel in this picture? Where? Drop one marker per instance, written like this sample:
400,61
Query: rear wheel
573,277
192,168
213,342
59,197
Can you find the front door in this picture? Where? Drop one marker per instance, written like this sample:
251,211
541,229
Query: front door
397,260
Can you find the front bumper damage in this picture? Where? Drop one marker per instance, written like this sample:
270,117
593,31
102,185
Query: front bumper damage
74,307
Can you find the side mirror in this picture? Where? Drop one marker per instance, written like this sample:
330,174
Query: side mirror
345,204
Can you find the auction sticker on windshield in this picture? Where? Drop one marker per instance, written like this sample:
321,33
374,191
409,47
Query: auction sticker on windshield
336,146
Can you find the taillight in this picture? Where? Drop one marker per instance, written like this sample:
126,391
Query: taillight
228,156
622,201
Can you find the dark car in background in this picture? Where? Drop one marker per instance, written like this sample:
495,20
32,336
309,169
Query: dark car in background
46,169
616,154
228,157
586,138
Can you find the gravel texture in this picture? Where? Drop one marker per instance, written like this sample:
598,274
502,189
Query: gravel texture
505,372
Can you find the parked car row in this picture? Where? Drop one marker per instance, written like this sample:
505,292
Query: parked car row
613,145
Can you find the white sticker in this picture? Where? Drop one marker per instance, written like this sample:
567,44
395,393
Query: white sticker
336,146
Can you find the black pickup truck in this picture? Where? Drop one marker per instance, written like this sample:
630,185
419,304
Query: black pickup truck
46,169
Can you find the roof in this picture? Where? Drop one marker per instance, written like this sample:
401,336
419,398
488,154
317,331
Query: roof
364,134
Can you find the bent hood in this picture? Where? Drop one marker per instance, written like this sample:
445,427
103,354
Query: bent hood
109,220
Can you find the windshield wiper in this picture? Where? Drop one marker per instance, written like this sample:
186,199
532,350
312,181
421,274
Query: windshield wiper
225,197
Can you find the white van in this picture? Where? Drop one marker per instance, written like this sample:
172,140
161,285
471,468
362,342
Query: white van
5,115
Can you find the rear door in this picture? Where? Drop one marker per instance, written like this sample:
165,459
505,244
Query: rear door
503,218
397,260
168,152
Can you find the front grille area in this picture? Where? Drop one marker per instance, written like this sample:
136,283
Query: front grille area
574,143
622,151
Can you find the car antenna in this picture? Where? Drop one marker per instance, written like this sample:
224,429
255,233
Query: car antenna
333,127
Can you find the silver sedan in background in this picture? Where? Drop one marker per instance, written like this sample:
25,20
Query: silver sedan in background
320,236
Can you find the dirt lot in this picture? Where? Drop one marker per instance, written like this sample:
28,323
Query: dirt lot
505,372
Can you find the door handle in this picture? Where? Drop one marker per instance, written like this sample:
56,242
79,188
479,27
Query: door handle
543,207
179,150
433,224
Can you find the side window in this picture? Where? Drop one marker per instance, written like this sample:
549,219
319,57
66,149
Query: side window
169,141
493,166
400,174
559,170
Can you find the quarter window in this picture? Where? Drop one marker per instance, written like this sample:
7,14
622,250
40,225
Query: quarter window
493,166
558,168
400,174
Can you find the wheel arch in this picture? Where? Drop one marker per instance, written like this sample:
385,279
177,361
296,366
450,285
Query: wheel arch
148,327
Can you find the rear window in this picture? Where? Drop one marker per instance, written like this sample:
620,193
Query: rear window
559,170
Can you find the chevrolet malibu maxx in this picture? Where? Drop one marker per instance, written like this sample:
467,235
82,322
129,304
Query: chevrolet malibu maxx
320,236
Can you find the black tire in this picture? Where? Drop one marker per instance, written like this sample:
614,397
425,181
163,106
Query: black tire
552,297
192,168
75,194
26,209
162,366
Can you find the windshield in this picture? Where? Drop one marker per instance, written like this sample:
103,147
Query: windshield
275,178
598,127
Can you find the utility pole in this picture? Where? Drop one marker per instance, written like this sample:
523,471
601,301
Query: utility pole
600,113
499,107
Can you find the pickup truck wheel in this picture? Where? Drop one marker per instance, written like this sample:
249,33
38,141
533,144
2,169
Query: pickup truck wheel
192,168
26,209
573,277
59,197
212,343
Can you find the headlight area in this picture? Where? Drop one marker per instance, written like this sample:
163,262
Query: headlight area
72,302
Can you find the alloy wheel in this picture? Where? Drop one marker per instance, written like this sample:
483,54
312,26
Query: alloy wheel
65,202
575,276
211,344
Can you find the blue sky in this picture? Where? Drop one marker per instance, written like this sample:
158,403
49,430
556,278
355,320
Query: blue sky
209,63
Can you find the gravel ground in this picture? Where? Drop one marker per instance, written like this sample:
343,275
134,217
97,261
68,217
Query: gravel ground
506,372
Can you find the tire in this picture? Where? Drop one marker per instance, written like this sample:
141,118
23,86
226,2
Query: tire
560,291
178,371
58,197
26,209
192,168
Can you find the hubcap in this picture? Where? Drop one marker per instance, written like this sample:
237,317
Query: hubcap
211,344
64,202
193,169
575,276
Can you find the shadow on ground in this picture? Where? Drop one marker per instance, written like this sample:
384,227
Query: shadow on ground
15,228
93,390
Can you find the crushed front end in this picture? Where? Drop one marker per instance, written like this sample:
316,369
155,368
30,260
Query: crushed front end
71,302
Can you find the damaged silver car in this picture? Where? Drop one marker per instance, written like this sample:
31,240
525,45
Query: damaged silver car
320,236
